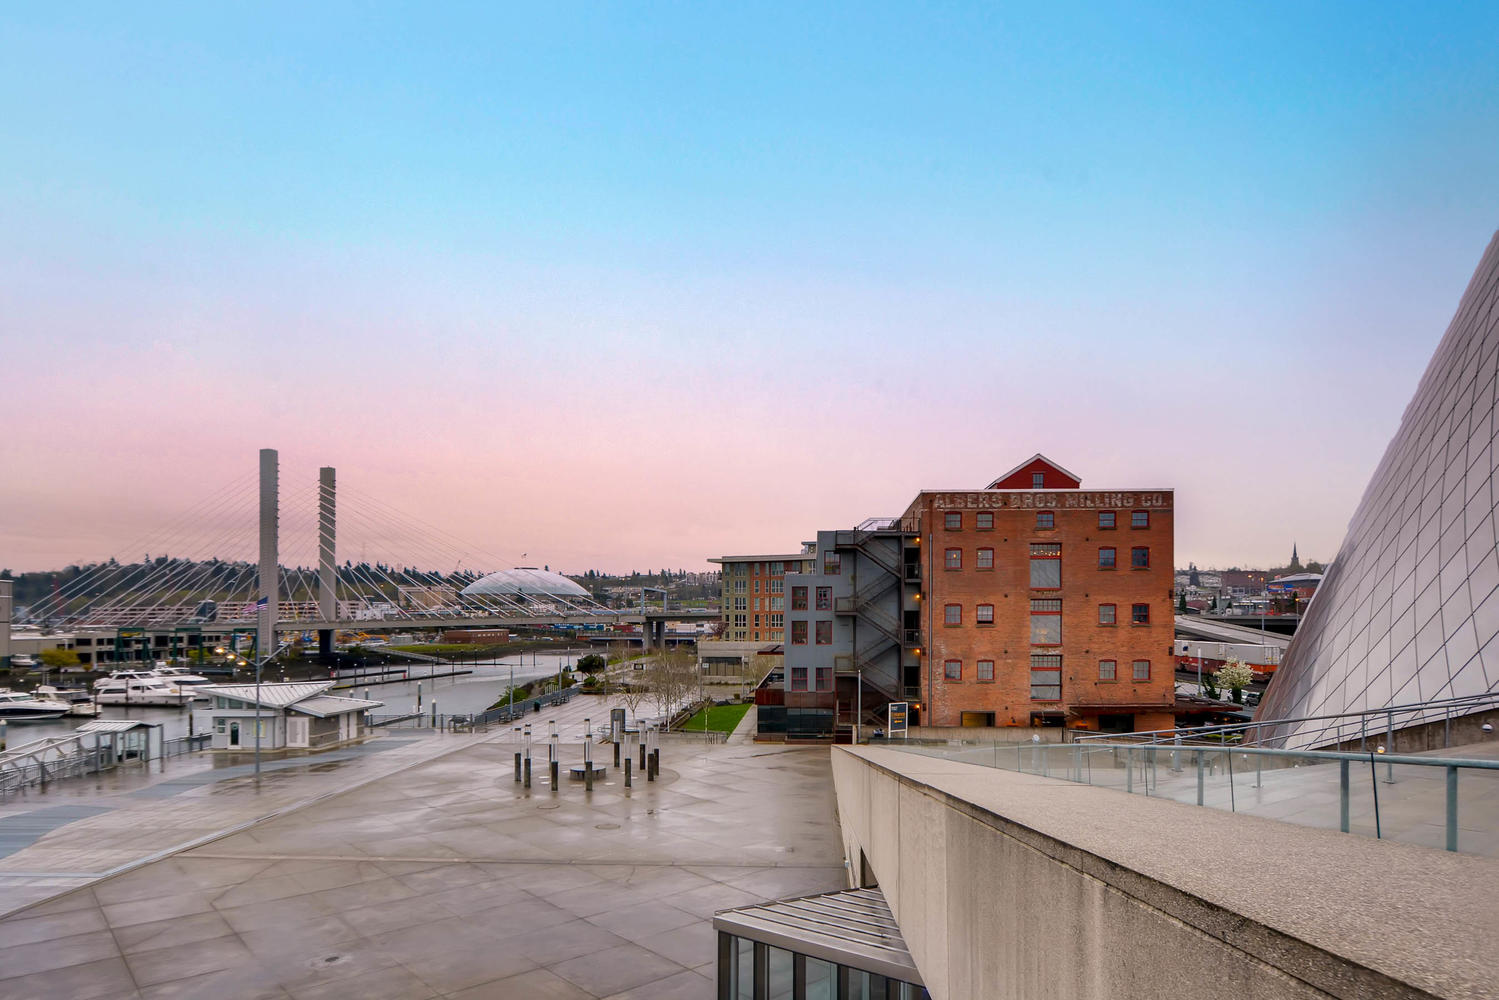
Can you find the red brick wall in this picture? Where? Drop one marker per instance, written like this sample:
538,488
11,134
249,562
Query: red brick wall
1052,478
1084,587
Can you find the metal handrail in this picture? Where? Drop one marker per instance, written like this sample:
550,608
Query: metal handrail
1076,765
1178,734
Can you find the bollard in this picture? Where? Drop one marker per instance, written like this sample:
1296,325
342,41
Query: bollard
616,755
434,713
641,742
627,772
587,766
527,783
517,765
555,768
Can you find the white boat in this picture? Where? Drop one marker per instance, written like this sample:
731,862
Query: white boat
140,691
184,680
124,675
18,706
78,700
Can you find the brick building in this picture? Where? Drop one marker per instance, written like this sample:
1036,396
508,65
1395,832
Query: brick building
1045,604
1030,602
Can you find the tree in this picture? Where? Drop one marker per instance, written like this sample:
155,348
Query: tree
633,694
592,663
1181,603
1234,676
673,677
753,670
56,659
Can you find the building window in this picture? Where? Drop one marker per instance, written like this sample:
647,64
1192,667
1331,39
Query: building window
1139,557
1046,622
1108,670
1046,677
757,621
832,563
1139,614
1142,670
1139,519
952,559
1106,520
1106,556
984,520
1046,566
798,633
778,604
952,521
985,559
952,670
1045,519
798,678
798,598
824,598
824,633
757,585
778,586
741,604
952,614
740,587
986,670
1038,480
824,678
1106,614
741,621
777,621
984,614
777,569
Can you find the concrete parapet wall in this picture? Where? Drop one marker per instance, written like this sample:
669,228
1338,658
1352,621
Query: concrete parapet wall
1013,885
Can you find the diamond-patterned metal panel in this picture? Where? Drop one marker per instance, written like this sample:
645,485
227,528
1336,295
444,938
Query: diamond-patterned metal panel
1409,610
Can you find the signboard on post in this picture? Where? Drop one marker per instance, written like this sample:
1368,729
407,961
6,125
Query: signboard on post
897,719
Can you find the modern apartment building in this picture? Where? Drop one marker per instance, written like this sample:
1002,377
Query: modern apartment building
1030,602
754,598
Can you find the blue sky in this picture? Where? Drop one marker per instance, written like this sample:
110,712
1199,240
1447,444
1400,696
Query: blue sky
903,247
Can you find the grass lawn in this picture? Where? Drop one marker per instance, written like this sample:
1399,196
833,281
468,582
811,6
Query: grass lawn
719,718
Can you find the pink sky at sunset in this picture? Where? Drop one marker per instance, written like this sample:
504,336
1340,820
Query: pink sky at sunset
628,294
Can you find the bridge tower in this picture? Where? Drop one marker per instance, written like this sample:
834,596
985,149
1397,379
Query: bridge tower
327,558
5,609
270,566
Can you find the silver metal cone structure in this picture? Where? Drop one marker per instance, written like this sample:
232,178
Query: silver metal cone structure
1409,610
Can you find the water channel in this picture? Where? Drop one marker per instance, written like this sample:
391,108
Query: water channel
472,692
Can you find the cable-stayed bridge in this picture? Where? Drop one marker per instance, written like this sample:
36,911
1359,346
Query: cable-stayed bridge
401,573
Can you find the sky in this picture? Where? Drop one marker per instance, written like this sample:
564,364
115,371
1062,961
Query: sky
628,286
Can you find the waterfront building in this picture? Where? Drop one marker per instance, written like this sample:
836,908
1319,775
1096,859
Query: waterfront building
1030,602
296,715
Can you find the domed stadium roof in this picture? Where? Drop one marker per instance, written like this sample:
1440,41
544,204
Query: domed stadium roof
527,580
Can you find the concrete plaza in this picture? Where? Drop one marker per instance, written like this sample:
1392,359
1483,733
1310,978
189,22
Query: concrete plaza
440,876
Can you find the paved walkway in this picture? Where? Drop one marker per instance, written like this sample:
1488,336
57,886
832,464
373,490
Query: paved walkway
443,877
82,829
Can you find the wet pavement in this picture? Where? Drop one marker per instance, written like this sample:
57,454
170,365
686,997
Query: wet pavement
436,875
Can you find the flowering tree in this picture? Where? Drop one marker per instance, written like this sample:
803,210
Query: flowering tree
1234,676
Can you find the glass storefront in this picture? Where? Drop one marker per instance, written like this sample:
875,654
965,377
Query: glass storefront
753,970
